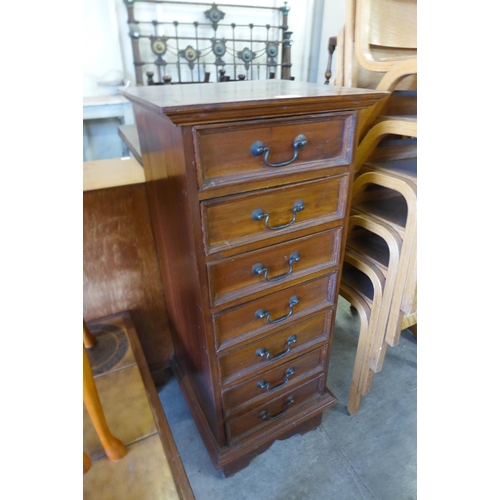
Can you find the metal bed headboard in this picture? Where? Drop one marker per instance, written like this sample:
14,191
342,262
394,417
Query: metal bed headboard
168,51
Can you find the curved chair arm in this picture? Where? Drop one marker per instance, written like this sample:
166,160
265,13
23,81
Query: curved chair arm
394,126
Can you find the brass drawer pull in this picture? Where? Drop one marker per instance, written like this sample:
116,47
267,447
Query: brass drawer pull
257,148
258,269
264,352
262,384
264,415
259,214
262,313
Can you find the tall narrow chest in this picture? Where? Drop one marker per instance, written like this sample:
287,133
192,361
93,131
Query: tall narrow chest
248,185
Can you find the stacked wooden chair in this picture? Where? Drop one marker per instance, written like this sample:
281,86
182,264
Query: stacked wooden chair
377,49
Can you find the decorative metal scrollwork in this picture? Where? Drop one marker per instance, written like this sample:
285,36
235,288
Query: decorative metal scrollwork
214,14
159,45
190,54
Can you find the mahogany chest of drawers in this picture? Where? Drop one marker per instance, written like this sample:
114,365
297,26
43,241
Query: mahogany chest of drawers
249,185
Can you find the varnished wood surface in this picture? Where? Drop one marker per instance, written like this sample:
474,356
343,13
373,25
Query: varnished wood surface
130,137
102,174
174,217
241,322
245,394
252,421
220,148
243,362
324,202
195,228
120,267
232,280
213,102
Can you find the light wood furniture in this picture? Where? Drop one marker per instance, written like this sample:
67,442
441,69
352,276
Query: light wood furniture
249,187
113,447
394,204
103,174
380,245
152,468
360,275
377,49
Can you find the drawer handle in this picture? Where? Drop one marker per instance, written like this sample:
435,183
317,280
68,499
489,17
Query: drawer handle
265,415
264,352
257,148
258,269
262,313
259,214
262,384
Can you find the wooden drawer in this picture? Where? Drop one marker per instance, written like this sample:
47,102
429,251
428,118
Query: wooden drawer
258,271
223,151
273,311
271,412
237,220
247,360
272,383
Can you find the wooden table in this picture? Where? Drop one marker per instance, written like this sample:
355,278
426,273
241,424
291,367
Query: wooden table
152,468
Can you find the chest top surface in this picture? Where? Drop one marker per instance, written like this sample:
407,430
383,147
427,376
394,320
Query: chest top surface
229,101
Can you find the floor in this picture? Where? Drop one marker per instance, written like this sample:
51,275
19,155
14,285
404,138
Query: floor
369,455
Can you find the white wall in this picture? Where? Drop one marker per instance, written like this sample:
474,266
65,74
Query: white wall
334,13
102,56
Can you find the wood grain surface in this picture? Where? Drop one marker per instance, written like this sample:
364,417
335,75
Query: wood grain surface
120,267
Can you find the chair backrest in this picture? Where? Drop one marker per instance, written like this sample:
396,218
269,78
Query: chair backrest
385,32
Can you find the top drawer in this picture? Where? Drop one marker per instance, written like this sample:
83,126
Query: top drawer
223,154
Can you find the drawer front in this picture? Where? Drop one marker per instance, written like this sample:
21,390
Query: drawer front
223,153
276,310
273,411
248,359
273,382
248,273
233,221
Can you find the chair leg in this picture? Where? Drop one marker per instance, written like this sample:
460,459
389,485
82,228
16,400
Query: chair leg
413,329
86,463
113,447
88,339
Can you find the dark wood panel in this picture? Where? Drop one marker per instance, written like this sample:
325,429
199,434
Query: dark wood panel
130,137
238,279
230,223
220,148
120,267
173,218
233,101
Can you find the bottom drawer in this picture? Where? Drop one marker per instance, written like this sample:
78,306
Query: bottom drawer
272,411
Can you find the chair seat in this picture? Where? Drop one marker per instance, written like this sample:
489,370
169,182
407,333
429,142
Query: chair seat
392,210
403,167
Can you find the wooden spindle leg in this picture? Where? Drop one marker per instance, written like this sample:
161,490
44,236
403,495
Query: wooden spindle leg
88,339
113,447
86,463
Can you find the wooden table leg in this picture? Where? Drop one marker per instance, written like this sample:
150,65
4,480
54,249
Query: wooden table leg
86,463
113,447
88,339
